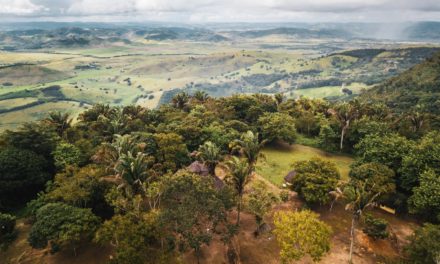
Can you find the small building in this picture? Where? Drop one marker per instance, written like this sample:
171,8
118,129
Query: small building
289,177
198,167
201,169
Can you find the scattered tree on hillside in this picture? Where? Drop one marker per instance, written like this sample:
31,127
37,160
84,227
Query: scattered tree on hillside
426,198
314,180
23,174
239,175
424,246
60,121
61,225
300,234
209,154
259,201
248,146
367,184
277,126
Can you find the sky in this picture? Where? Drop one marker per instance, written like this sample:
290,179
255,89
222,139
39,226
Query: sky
202,11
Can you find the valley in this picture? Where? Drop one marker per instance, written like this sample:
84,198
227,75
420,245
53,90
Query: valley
122,66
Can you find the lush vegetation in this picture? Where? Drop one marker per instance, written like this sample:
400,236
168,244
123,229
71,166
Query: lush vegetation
147,182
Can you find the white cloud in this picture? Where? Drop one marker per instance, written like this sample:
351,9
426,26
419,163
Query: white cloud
19,7
229,10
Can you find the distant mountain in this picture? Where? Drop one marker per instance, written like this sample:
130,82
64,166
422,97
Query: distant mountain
60,37
423,31
418,86
296,32
180,33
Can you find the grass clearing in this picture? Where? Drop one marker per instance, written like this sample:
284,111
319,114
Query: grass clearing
277,161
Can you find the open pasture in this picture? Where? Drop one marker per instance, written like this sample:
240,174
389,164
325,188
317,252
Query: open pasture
277,161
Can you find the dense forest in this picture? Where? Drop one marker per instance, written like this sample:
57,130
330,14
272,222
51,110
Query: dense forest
156,183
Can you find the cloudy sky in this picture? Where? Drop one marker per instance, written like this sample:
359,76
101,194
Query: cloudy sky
222,10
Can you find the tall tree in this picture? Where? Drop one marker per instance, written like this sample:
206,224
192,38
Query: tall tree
345,113
193,210
239,175
209,154
367,184
258,202
60,121
249,146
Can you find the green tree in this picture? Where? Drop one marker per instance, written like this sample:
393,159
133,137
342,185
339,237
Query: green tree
388,150
425,200
133,171
301,233
7,229
424,156
60,121
180,100
277,126
66,154
135,240
424,246
367,184
82,187
201,96
248,146
239,175
209,154
259,201
327,138
23,174
35,137
345,114
375,227
62,225
193,209
314,180
172,151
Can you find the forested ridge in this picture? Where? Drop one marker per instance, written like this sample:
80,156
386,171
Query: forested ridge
147,182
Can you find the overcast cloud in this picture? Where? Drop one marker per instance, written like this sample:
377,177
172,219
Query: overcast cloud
222,10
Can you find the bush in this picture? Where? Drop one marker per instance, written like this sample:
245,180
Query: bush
424,245
23,174
7,229
284,196
376,228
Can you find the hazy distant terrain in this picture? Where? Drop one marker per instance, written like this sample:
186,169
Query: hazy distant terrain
70,66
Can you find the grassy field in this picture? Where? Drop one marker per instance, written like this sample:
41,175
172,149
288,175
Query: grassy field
142,71
277,161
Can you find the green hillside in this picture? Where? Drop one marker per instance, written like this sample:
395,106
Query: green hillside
416,87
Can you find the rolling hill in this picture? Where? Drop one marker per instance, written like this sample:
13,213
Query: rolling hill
418,86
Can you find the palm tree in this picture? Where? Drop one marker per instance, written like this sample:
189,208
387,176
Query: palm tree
209,154
279,98
345,113
239,176
133,170
201,96
248,146
180,100
60,121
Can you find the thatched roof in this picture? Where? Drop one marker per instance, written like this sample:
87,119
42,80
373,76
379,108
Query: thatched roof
198,168
201,169
290,176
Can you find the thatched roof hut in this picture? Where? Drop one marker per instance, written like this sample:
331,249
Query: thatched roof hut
289,177
198,167
201,169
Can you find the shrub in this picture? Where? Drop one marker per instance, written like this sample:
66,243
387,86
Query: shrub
7,229
284,196
376,228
